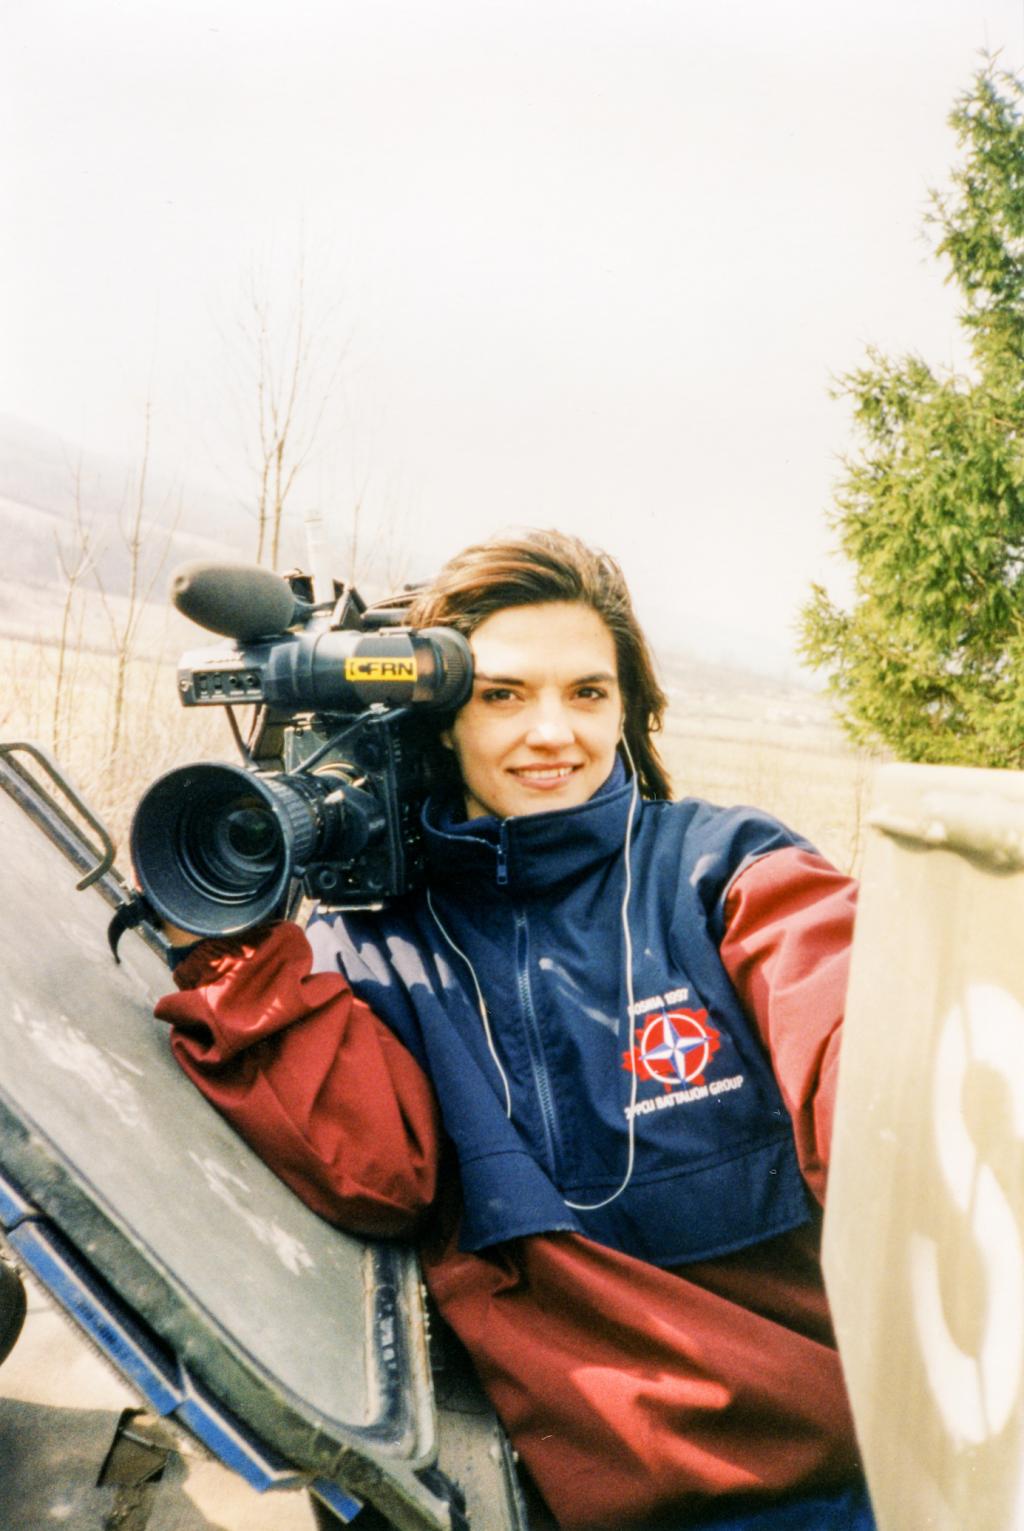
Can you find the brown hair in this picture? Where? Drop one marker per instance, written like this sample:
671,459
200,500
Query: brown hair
535,567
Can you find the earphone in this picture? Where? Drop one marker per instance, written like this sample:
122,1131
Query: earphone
575,1206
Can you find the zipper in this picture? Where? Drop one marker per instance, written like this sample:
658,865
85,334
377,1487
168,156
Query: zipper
502,876
535,1045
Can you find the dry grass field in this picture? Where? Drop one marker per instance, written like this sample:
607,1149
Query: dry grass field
155,733
820,788
734,738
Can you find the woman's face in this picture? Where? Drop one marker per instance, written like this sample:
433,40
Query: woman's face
540,729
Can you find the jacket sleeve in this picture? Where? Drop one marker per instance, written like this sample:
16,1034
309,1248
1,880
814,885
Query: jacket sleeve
309,1076
788,930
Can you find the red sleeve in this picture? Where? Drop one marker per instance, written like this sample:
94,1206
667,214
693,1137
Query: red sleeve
309,1076
788,929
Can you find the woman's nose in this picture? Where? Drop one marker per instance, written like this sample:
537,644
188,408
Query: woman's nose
549,729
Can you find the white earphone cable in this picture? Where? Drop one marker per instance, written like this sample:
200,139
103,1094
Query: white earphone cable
576,1206
481,1005
595,1206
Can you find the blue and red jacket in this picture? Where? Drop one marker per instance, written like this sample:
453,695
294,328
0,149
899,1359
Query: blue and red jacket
633,1387
526,924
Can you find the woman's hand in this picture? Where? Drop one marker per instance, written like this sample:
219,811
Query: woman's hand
178,937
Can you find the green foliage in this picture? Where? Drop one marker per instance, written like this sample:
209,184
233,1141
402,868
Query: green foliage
929,659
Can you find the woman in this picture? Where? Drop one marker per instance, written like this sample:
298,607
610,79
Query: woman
591,1066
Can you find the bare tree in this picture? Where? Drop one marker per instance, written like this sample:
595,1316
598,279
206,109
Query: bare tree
124,625
391,552
75,559
376,546
292,359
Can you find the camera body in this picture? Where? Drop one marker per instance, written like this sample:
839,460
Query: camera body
345,715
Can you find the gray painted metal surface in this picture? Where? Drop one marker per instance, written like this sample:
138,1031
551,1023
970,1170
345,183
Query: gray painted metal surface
298,1353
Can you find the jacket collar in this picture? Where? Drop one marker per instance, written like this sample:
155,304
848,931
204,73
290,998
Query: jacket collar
533,851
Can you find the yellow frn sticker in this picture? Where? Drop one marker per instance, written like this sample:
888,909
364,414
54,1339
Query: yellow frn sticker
367,669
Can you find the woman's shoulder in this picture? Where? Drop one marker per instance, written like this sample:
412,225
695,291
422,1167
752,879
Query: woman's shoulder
700,819
709,844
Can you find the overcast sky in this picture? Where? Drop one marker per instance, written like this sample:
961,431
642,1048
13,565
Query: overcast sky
594,261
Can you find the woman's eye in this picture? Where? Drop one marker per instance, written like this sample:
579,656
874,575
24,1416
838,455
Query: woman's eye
592,693
497,694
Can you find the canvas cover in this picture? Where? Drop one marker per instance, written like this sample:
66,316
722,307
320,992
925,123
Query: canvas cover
924,1242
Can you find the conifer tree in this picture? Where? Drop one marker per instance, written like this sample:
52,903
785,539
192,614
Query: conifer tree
929,658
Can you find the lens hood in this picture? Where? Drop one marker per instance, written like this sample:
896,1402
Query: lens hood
215,847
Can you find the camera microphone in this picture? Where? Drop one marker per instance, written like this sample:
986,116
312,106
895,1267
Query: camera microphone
239,601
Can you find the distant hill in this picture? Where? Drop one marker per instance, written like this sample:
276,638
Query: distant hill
49,488
45,483
41,476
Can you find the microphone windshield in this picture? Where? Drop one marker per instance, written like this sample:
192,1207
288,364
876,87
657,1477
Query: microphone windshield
238,600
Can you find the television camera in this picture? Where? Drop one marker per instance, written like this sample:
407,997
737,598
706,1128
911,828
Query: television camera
335,765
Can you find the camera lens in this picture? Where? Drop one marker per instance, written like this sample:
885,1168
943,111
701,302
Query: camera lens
230,846
216,847
250,832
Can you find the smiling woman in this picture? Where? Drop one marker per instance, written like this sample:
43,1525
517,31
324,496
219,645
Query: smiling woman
590,1066
540,730
551,578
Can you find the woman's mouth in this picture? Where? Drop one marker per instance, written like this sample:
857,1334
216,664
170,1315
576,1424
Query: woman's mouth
543,776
